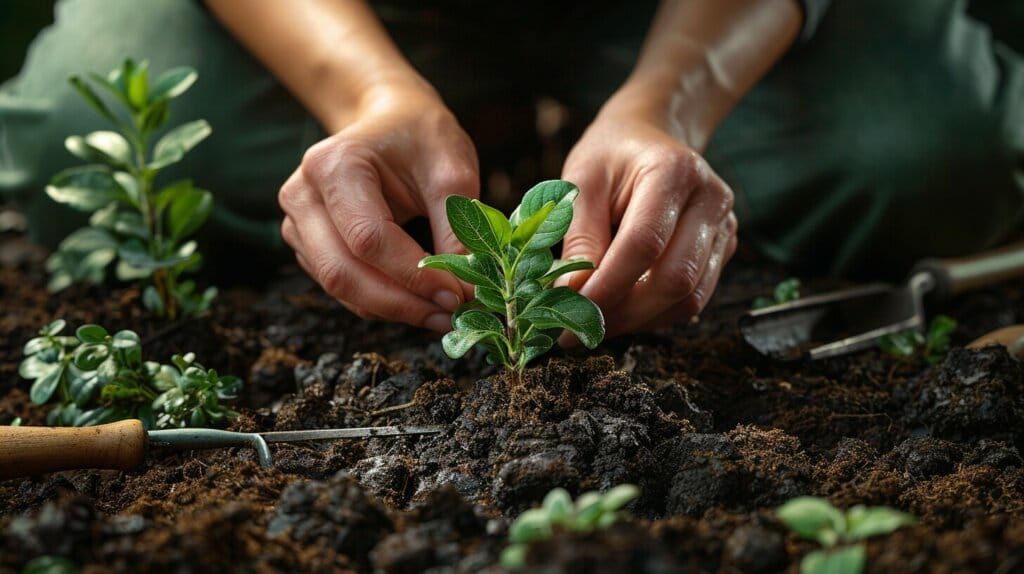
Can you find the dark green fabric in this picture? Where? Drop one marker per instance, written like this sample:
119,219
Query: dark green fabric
896,132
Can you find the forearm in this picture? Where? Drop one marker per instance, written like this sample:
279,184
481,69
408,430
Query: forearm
701,57
329,54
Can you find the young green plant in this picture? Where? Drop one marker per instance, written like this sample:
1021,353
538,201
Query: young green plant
841,534
145,228
98,378
517,313
592,511
934,344
786,291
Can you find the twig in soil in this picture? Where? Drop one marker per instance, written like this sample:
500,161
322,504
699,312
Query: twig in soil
392,409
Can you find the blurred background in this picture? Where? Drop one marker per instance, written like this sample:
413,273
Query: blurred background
20,21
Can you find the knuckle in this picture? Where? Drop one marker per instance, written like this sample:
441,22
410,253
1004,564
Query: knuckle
291,195
581,245
365,237
334,277
462,180
320,159
685,165
648,240
683,277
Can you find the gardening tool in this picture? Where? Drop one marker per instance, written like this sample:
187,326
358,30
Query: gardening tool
852,319
25,451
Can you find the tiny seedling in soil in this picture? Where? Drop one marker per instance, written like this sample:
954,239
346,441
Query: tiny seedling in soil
16,422
49,565
145,228
786,291
935,344
592,511
840,534
98,378
517,314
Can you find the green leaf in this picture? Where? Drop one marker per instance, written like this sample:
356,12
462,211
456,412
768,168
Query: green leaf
134,253
112,85
532,525
901,344
562,266
762,302
490,298
558,506
849,560
88,239
470,328
44,386
557,222
86,188
172,83
564,308
138,86
809,516
787,290
16,422
499,223
49,565
89,356
91,334
173,146
92,98
534,347
131,224
107,146
524,232
618,497
53,328
533,265
862,522
188,212
471,226
514,556
470,268
588,510
130,345
937,341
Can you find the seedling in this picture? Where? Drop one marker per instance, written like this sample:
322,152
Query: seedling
49,565
840,534
145,228
592,511
16,422
98,378
935,344
786,291
517,314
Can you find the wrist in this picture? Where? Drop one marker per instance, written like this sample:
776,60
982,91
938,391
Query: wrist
666,103
385,89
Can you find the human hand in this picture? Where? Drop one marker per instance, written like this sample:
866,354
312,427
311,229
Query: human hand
399,157
676,229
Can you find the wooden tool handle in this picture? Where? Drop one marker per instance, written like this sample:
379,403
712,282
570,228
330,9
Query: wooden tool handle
25,451
957,275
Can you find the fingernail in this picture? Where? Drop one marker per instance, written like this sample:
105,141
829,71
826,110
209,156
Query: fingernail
440,322
448,300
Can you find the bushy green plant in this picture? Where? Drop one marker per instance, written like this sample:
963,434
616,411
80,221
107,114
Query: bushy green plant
516,314
934,344
592,511
145,228
841,534
98,378
786,291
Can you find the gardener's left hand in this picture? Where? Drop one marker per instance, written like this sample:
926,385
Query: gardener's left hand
675,224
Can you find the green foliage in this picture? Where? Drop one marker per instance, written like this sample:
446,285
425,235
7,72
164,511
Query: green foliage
145,228
16,422
49,565
592,511
935,345
839,533
98,377
517,314
786,291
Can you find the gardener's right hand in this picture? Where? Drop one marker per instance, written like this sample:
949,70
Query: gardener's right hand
402,153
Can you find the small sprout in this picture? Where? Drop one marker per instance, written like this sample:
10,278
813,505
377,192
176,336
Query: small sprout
592,511
49,565
840,534
98,377
786,291
16,422
935,344
144,227
517,314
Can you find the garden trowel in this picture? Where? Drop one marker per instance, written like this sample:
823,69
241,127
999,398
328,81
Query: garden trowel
26,451
853,319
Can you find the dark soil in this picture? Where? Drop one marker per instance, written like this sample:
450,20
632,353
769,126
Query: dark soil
714,435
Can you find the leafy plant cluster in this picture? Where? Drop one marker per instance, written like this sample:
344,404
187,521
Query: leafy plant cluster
144,228
592,511
98,378
516,314
786,291
934,345
840,534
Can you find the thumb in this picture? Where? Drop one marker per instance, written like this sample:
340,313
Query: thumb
589,233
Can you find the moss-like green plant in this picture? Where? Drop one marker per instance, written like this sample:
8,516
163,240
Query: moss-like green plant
934,344
786,291
839,533
592,511
99,378
144,228
517,313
